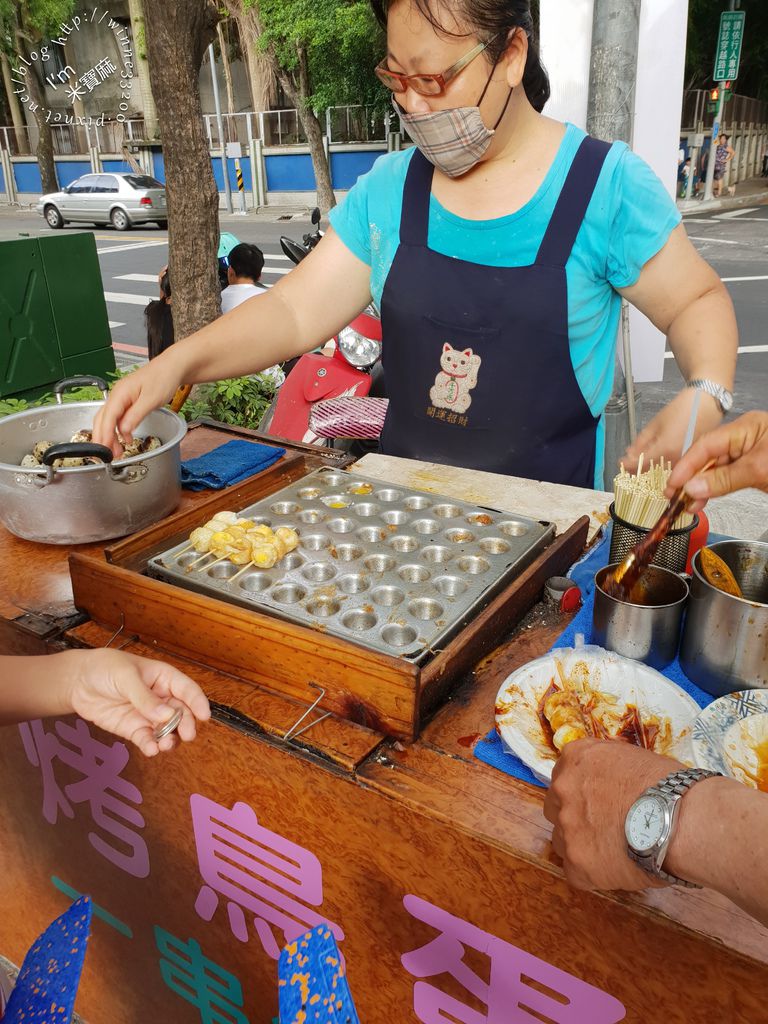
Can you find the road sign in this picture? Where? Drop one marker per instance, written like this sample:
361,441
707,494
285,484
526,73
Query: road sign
728,52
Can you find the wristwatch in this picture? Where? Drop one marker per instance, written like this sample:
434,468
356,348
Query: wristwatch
650,822
721,395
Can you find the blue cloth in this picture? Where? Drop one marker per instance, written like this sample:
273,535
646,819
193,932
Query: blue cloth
629,219
312,981
490,749
47,985
230,463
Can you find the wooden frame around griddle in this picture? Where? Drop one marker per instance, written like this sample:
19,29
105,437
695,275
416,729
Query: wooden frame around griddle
386,693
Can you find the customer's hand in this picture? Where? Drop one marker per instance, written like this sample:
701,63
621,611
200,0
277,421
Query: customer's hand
134,397
130,696
665,434
740,452
594,783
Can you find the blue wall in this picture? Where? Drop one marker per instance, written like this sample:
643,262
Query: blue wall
27,177
290,173
121,166
2,181
245,167
159,165
346,168
69,171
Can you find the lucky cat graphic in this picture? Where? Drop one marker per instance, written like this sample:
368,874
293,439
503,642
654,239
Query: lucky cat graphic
457,377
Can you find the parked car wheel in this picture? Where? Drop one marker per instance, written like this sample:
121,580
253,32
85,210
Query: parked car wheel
119,219
53,217
163,225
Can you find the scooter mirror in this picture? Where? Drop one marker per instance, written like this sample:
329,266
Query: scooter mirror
316,215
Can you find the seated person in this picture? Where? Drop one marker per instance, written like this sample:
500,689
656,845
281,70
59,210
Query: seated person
158,318
246,263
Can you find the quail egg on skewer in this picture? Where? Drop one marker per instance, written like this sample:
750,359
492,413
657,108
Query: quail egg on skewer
263,555
200,539
288,536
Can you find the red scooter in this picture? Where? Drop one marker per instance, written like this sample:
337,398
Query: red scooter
346,371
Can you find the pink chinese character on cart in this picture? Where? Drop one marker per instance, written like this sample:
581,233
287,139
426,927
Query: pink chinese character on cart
509,996
257,872
109,796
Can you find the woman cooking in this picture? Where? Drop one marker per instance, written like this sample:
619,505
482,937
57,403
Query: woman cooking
497,250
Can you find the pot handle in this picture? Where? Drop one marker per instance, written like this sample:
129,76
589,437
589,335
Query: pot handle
74,450
79,382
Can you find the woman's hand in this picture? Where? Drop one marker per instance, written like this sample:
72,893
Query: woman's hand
130,696
740,452
134,397
665,434
594,783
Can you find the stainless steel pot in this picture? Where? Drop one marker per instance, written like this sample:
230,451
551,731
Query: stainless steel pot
725,638
81,504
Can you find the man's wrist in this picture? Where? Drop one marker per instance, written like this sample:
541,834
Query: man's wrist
693,852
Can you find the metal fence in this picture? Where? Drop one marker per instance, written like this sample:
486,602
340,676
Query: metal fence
738,110
73,139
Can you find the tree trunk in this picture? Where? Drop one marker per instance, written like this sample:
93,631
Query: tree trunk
178,32
261,76
227,69
297,89
44,153
141,67
17,118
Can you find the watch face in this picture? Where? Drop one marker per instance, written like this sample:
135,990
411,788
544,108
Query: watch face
726,401
645,824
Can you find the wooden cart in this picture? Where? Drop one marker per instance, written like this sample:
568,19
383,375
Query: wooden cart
434,870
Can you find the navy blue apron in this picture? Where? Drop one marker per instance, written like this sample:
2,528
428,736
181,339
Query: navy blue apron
477,359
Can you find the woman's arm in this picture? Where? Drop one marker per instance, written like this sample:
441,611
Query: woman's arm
683,296
120,692
307,307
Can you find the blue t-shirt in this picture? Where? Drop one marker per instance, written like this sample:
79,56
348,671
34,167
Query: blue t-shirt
628,221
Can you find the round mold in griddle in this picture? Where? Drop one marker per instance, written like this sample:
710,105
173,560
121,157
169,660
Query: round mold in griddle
187,558
308,493
436,554
372,534
347,552
450,586
474,565
323,606
366,509
459,536
388,494
414,573
417,503
318,572
256,581
358,620
315,542
288,593
428,527
341,524
447,511
285,508
223,571
260,520
328,478
396,635
380,563
387,596
494,545
311,515
395,517
403,543
513,528
292,561
353,583
425,609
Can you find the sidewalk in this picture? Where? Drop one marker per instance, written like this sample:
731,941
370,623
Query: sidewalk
753,190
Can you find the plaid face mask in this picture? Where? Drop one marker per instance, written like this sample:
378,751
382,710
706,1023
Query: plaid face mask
454,140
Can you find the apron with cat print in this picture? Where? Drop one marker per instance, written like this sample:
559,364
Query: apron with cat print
477,359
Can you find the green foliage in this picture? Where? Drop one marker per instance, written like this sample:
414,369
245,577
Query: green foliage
40,19
342,41
84,394
239,401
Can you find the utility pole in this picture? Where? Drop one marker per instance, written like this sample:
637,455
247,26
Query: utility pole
717,128
612,77
220,126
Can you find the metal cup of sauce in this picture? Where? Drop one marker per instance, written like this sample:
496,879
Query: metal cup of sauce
725,640
648,629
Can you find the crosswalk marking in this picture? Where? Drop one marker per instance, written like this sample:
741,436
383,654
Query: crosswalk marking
727,280
733,214
115,323
151,278
135,245
744,350
126,297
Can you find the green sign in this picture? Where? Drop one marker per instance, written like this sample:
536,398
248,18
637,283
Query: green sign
728,53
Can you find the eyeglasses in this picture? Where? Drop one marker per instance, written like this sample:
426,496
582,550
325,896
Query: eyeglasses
428,85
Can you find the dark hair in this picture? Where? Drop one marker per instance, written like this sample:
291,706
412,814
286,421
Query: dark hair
247,260
490,19
158,320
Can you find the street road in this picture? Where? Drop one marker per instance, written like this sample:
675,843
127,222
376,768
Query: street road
735,243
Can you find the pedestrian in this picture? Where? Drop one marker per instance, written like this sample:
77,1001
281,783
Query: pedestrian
158,318
765,162
685,174
723,156
246,262
498,249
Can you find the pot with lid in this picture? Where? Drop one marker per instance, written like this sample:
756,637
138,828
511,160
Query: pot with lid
79,504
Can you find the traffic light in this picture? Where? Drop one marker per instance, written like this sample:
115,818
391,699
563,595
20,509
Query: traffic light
714,95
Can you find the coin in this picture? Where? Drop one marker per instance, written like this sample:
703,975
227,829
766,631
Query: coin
166,728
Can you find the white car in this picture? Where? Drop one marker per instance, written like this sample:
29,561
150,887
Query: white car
121,200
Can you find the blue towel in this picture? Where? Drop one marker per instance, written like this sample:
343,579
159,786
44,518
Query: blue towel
313,983
490,749
47,984
230,463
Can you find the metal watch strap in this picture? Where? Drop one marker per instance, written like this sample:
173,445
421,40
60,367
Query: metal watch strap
710,387
676,784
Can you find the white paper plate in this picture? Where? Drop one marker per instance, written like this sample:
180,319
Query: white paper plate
715,739
631,682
